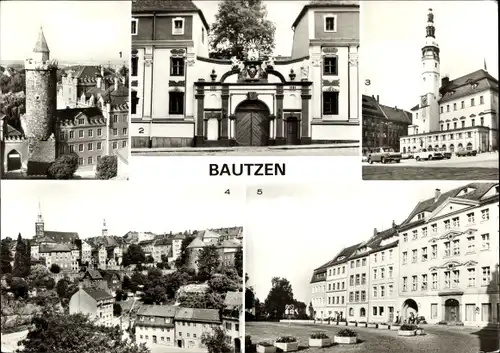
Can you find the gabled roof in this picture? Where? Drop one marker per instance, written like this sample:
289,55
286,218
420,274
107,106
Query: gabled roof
156,6
61,237
41,43
463,86
157,310
230,243
54,248
94,275
233,300
97,294
197,243
69,114
373,109
163,242
198,315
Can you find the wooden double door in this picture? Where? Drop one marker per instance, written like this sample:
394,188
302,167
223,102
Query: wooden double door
252,124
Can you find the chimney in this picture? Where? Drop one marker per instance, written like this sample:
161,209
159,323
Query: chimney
377,98
437,193
99,81
394,224
375,231
116,83
444,81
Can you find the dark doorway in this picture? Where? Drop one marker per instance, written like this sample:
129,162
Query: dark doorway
179,343
391,314
237,345
409,307
252,123
292,131
13,160
451,310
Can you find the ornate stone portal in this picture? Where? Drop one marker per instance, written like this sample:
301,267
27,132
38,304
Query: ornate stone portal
253,68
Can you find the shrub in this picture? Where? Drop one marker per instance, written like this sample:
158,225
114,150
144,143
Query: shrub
286,339
117,309
407,327
318,335
265,344
64,167
107,167
346,333
55,268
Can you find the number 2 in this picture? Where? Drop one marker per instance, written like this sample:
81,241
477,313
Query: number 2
141,130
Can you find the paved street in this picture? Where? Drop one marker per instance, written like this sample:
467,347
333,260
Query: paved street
339,150
438,339
9,340
481,167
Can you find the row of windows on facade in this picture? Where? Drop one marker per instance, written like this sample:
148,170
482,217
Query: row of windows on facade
447,224
90,133
462,105
175,103
177,27
362,311
457,136
471,313
378,273
360,296
90,147
362,262
451,248
451,279
455,125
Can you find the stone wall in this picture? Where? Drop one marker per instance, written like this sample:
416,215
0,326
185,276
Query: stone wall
41,154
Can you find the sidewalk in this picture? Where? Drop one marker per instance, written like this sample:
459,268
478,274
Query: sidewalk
229,149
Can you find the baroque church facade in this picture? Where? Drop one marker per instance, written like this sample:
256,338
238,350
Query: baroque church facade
180,97
452,114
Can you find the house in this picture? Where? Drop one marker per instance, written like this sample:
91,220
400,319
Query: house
191,324
232,318
94,302
93,279
155,325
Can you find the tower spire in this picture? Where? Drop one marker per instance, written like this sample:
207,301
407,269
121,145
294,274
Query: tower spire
104,228
39,218
41,48
430,29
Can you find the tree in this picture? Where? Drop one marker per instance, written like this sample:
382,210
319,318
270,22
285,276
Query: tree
19,287
123,71
5,256
55,268
249,298
150,259
64,167
236,24
208,300
117,309
107,167
22,260
238,261
208,261
181,260
38,277
222,284
127,283
311,310
120,295
217,341
279,295
134,255
62,288
57,333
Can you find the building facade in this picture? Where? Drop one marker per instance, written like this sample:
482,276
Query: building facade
318,293
155,326
452,114
96,303
192,323
358,284
181,97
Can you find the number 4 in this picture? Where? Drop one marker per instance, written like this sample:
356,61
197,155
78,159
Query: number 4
227,192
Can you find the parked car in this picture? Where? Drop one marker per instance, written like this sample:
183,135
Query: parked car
462,152
446,154
425,154
384,155
407,155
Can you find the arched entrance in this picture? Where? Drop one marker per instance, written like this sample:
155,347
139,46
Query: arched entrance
404,149
252,123
451,310
13,160
452,148
409,306
237,345
292,131
469,146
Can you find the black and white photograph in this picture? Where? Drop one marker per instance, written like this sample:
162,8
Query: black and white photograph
354,267
64,89
245,78
430,95
85,269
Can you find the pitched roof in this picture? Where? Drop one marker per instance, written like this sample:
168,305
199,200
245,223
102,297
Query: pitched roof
167,6
396,114
70,114
230,243
324,3
157,310
162,242
61,237
197,243
41,43
431,204
343,255
94,274
463,86
198,315
371,108
54,248
97,294
233,299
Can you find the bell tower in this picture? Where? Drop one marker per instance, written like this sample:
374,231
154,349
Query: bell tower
104,228
429,115
39,224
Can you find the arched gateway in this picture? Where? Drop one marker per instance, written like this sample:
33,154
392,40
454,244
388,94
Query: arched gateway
13,160
252,123
451,310
409,307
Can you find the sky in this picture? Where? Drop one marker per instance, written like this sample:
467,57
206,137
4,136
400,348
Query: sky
291,229
80,206
282,17
74,30
393,32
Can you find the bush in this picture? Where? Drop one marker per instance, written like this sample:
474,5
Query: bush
107,167
19,287
265,344
117,309
318,335
55,268
64,167
286,339
407,327
346,333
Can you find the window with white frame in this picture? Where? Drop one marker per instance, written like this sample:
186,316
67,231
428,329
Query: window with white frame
486,276
471,274
414,284
456,247
471,245
330,23
178,26
382,273
447,249
424,282
447,283
415,234
434,280
434,249
434,228
405,257
424,231
485,241
424,254
134,26
456,279
456,222
470,218
485,214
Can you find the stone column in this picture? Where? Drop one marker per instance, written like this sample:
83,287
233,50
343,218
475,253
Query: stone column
305,137
280,140
316,78
199,138
190,80
147,100
224,137
353,84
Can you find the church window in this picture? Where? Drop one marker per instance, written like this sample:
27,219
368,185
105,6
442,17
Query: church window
178,26
134,26
177,66
330,23
330,66
176,103
330,103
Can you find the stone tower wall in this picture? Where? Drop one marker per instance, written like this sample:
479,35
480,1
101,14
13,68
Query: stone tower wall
41,99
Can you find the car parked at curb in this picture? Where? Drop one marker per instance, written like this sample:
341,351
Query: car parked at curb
446,155
462,152
384,155
428,155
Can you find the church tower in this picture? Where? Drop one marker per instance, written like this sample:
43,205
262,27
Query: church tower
39,224
428,119
104,228
38,122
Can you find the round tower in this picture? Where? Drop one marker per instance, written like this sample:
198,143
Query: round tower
430,59
41,92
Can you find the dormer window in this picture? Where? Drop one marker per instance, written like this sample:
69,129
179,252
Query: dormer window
134,25
178,26
474,86
81,121
330,23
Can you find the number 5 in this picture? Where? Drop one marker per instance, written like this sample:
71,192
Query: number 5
259,191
